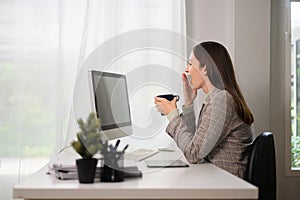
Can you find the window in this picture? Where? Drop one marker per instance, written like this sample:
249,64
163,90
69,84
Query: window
295,85
42,45
35,81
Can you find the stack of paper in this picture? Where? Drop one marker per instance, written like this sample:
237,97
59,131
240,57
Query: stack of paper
69,172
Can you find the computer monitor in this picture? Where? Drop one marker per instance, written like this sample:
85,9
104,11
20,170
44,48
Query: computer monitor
109,98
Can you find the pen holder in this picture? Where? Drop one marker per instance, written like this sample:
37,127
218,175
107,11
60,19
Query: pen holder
112,169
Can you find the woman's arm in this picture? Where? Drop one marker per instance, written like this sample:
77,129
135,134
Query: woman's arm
212,123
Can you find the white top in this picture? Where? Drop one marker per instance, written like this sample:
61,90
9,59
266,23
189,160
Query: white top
200,181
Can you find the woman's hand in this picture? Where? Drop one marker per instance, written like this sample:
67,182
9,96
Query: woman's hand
164,106
189,93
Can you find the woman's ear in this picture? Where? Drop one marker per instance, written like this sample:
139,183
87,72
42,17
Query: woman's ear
204,70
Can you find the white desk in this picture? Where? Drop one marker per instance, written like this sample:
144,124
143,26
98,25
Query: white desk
202,181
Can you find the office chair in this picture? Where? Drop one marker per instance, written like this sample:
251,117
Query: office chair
261,169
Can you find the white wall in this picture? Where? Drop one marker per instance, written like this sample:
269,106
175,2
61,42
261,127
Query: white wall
252,58
244,27
211,20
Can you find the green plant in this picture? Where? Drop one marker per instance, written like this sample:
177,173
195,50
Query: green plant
295,151
89,139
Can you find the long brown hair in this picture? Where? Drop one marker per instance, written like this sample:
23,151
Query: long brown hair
221,74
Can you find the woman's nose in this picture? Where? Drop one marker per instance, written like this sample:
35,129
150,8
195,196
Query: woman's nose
187,68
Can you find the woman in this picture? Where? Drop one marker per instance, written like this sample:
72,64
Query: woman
223,130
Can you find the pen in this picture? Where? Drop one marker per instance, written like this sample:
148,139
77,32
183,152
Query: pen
112,149
117,144
125,148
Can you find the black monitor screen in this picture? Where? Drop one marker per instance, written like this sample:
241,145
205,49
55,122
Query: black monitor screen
111,99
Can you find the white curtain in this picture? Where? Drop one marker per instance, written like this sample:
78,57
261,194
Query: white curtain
144,40
46,48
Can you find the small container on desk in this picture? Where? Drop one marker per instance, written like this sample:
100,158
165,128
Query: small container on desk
113,165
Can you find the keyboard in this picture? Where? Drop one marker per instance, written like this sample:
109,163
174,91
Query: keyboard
140,154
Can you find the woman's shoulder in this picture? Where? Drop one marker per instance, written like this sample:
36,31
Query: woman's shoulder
221,95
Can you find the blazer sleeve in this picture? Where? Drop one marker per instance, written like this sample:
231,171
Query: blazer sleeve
198,145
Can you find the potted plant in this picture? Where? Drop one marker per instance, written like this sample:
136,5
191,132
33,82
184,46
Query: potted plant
88,143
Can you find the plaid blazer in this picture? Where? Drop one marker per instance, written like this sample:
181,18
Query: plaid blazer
220,137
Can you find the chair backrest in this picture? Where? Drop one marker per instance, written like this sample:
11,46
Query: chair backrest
261,169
